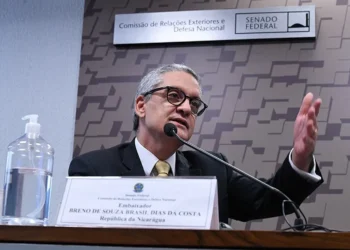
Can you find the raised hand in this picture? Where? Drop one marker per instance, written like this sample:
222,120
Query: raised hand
305,132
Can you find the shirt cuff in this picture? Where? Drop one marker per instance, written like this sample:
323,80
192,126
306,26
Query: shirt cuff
309,176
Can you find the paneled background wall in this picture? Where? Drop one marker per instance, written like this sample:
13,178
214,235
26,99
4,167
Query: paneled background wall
253,88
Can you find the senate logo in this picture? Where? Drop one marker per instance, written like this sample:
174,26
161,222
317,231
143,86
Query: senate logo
138,187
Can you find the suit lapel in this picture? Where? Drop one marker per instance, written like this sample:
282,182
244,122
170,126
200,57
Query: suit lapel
131,161
183,167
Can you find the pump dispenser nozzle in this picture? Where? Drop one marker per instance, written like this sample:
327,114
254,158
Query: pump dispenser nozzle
32,127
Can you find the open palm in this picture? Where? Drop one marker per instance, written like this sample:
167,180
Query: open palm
305,132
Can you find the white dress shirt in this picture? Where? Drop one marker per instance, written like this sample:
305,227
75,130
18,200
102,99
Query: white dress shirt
312,175
148,160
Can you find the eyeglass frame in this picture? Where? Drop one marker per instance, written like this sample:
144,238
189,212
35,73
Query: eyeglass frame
168,88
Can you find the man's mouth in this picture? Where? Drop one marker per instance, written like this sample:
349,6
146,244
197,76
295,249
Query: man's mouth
180,121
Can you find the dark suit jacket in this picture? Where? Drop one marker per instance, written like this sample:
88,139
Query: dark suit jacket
239,197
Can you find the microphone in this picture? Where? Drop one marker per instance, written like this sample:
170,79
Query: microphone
171,130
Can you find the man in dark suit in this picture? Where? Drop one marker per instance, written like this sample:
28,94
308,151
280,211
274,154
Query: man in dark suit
171,93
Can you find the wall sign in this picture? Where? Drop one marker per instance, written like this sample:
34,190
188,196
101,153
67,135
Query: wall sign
215,25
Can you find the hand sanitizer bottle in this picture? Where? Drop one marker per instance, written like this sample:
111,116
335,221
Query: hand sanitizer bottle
27,182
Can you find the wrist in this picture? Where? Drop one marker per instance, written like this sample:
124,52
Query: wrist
303,163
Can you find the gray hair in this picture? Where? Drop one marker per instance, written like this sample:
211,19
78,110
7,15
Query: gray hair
154,78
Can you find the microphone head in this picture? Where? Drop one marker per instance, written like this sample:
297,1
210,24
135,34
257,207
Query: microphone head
170,129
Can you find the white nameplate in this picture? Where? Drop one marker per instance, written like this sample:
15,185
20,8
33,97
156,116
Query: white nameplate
215,25
177,203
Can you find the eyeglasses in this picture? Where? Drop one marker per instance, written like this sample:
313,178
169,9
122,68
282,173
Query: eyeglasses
177,97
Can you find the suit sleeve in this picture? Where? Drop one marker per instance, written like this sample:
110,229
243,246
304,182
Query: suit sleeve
249,200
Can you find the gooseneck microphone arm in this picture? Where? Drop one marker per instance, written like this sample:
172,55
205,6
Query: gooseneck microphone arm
171,130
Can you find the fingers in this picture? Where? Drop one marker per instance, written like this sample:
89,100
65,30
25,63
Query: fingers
312,127
312,116
317,105
311,130
312,113
310,137
306,104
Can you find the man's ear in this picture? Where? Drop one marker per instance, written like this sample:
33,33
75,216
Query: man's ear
140,106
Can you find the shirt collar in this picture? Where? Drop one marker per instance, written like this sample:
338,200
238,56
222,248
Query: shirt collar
148,160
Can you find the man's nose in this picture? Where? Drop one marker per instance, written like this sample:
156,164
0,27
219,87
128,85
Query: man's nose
185,107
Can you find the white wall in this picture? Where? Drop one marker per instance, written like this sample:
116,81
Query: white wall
40,45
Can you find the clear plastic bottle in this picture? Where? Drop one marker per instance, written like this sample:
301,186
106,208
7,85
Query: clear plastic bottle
27,182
